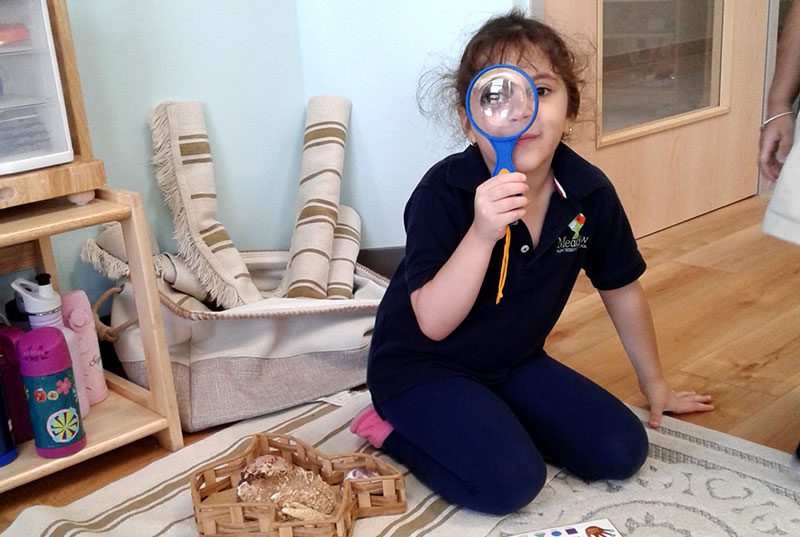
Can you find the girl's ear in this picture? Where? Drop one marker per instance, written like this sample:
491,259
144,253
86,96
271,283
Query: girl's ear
466,126
568,129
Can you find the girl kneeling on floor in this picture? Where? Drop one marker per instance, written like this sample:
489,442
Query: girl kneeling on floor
464,393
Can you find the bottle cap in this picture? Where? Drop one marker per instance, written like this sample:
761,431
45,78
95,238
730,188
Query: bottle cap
37,297
43,351
76,310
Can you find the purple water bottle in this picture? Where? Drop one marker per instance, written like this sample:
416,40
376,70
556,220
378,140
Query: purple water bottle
16,404
8,448
46,368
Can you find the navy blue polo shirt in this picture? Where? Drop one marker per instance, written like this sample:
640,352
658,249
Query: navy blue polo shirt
585,227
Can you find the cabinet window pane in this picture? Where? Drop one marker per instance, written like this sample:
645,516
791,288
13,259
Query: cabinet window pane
661,58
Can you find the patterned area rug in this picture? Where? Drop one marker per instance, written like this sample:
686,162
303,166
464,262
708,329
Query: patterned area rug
696,483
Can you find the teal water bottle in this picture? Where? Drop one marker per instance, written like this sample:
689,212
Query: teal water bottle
46,368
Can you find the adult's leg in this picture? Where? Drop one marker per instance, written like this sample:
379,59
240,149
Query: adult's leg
465,443
577,423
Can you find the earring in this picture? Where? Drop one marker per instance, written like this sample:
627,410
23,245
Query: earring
568,134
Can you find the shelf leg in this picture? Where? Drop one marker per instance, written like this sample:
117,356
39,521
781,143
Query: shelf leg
159,370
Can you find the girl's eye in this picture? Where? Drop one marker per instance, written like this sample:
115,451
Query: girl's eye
542,91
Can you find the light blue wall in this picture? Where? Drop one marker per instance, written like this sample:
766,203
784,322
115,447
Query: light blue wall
374,53
239,57
254,63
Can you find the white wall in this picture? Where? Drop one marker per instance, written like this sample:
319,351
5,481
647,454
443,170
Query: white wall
254,63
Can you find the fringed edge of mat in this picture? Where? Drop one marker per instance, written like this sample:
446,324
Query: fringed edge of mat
224,293
103,262
112,267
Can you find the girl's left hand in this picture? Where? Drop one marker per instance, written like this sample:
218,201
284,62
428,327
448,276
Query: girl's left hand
662,399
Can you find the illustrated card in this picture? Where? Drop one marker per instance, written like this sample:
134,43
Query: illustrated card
594,528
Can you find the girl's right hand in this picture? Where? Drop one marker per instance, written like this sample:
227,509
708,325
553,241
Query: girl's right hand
499,201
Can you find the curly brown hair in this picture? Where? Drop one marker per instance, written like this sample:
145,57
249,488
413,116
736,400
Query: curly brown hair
503,36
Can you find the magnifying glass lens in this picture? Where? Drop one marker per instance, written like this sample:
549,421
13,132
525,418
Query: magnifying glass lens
497,99
502,102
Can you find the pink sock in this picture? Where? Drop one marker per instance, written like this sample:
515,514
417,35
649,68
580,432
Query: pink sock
369,426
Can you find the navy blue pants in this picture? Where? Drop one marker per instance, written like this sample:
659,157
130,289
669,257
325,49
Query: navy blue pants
484,447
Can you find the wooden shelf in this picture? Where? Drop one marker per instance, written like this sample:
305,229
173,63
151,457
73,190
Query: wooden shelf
56,216
33,209
113,423
130,412
80,175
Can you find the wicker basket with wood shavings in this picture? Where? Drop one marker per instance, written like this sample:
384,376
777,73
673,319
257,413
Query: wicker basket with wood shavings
334,491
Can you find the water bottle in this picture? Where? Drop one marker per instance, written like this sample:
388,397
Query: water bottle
43,306
16,405
47,373
8,448
15,316
77,315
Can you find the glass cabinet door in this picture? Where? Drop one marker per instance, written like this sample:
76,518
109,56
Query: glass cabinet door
660,59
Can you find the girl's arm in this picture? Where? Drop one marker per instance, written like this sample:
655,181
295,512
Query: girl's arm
628,309
444,301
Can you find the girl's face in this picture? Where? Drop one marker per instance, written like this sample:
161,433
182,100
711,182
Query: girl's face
533,152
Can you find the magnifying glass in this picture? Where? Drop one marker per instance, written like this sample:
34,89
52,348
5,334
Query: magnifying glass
502,103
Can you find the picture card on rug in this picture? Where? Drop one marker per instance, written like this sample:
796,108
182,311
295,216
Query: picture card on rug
594,528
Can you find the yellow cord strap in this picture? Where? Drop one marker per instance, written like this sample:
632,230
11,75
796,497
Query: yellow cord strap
504,266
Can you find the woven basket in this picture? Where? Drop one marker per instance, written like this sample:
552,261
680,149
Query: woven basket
217,512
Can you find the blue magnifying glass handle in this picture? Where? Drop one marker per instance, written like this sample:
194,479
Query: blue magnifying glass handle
503,150
498,99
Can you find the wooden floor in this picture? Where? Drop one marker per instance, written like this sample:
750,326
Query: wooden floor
726,304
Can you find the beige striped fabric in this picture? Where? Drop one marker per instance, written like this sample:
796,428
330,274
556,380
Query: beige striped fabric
738,484
324,141
156,502
346,243
107,254
185,173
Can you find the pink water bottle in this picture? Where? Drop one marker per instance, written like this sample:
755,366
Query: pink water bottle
77,314
12,384
47,373
43,306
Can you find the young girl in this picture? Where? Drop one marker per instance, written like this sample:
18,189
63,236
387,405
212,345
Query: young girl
464,393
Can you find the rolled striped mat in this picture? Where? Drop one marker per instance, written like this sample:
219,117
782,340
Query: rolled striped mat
324,142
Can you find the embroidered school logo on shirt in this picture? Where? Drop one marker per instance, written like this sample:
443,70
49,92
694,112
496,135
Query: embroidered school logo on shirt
576,225
571,243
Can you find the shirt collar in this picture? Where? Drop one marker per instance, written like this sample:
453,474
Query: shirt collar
576,178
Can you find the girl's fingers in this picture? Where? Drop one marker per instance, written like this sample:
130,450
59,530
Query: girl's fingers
690,407
686,406
695,397
655,418
509,204
505,190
